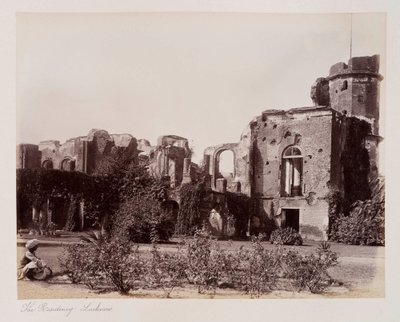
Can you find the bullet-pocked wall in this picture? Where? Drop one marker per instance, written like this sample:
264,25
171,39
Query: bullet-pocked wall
308,129
291,166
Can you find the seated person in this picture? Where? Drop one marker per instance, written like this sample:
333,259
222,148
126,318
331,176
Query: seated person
31,264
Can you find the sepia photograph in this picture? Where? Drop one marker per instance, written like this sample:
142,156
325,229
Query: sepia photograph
200,155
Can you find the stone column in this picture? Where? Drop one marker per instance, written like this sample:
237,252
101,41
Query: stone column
49,212
82,214
166,161
221,185
186,178
43,218
186,165
206,163
35,219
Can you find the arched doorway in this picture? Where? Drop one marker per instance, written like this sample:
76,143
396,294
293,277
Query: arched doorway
170,209
47,164
68,164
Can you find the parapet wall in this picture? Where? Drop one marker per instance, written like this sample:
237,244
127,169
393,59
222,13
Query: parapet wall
368,65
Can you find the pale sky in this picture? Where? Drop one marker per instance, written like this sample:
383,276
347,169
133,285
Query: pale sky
200,76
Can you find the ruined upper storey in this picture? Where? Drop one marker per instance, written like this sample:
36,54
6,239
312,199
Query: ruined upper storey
367,65
171,157
352,89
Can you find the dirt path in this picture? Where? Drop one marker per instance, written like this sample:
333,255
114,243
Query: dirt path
43,290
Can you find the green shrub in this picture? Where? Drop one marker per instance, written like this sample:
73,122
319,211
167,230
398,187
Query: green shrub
97,262
257,270
80,262
286,236
253,271
142,220
364,225
100,262
310,271
203,269
166,271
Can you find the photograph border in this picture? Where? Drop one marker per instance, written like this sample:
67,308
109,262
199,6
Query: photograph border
386,309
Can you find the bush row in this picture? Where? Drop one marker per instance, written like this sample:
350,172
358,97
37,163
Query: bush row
100,263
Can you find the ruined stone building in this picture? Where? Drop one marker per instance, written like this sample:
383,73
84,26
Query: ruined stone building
289,160
170,157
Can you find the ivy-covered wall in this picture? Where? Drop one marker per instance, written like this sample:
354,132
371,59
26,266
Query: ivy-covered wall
350,162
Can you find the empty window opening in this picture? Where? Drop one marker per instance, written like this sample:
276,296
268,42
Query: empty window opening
292,163
344,85
226,167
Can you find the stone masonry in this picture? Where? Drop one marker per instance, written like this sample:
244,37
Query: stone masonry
288,160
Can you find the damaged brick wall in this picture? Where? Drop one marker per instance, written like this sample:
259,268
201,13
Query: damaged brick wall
167,159
84,153
28,156
242,167
309,130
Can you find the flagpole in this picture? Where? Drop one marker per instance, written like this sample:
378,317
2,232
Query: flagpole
351,34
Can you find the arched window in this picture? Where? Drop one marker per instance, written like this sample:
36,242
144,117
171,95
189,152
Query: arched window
68,165
292,172
47,164
226,164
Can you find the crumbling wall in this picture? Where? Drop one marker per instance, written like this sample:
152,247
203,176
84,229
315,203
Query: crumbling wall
86,153
258,167
126,143
28,156
167,159
57,153
310,130
241,181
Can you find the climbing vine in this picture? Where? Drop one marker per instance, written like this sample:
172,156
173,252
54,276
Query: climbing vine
356,216
36,186
190,215
355,162
335,210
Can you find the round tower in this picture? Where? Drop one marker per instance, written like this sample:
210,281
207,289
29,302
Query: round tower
354,89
